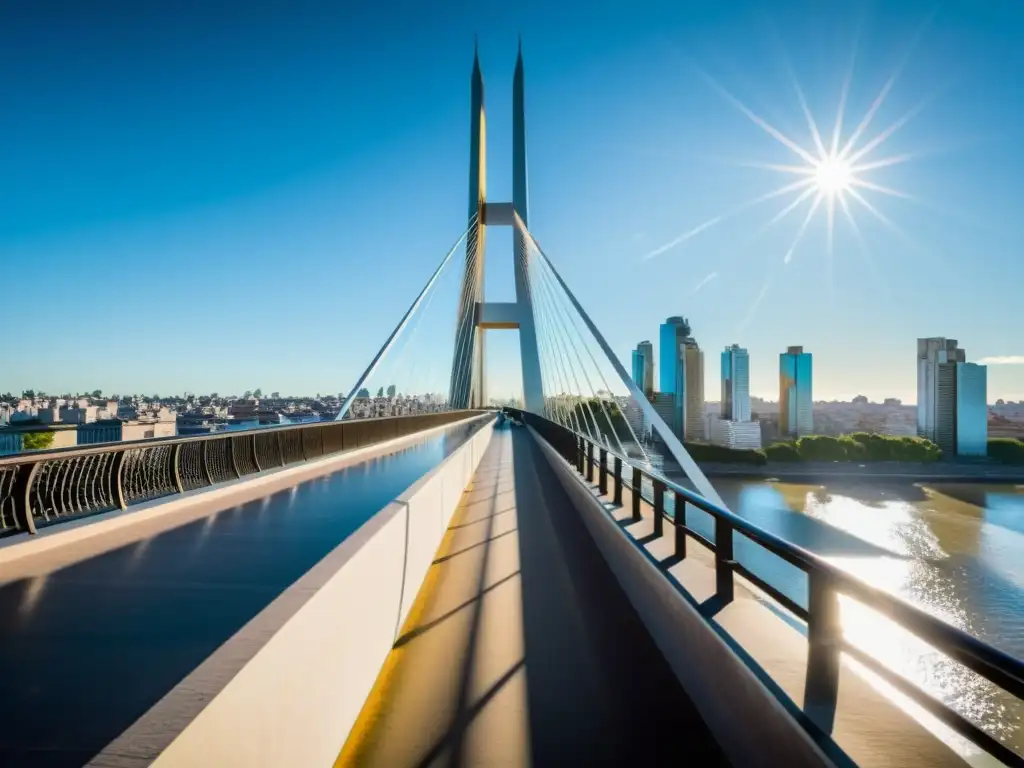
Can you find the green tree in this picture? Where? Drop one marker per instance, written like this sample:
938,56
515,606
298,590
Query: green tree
706,452
782,452
257,393
97,393
28,394
1006,450
37,441
589,413
820,448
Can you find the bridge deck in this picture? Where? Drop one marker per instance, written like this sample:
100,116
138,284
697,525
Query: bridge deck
522,647
92,636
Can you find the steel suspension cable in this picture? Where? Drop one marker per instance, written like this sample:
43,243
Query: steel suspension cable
553,301
607,388
400,327
546,328
541,324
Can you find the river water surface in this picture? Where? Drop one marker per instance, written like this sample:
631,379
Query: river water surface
956,551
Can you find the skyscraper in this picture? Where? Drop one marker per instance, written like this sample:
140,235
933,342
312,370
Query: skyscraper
733,427
932,353
643,367
682,376
971,409
796,407
693,359
735,384
952,398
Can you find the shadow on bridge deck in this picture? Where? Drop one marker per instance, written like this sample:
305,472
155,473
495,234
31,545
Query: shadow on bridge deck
88,646
522,648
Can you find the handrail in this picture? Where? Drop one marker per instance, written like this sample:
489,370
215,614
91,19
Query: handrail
29,457
825,582
43,487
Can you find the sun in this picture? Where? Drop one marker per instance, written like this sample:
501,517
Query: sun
833,175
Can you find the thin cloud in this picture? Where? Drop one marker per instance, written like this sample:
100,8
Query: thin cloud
704,282
1003,360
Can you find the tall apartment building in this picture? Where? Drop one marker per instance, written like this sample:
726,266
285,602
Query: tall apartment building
931,353
735,384
952,398
796,406
733,427
682,375
643,367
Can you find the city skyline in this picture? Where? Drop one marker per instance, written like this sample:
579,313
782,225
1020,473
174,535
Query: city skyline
283,179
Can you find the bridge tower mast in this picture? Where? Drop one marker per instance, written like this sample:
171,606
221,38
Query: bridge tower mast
476,316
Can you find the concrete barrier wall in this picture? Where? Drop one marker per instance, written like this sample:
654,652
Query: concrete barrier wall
751,725
313,655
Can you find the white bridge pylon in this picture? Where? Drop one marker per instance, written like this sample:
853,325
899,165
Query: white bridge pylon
476,315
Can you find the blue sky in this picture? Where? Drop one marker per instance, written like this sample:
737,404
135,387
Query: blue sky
223,196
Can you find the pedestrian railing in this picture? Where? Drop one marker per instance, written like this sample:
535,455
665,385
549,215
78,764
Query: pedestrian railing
825,583
42,487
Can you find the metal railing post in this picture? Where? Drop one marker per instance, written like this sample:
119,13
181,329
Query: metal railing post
581,455
590,462
680,522
280,449
723,560
659,507
602,471
617,469
636,496
824,638
176,464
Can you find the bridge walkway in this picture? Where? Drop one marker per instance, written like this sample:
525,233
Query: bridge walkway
95,632
521,647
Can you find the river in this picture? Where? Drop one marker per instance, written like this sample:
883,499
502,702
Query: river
957,551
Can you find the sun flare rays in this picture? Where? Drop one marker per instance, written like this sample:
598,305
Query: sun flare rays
829,172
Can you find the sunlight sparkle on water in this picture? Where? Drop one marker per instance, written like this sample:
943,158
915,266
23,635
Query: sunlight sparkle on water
907,530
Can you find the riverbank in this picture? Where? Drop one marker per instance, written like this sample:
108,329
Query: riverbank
823,471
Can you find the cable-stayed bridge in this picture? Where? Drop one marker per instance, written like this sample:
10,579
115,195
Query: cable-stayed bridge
425,581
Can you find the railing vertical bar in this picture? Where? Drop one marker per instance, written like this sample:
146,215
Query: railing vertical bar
617,469
680,522
824,637
117,480
602,471
23,497
176,465
255,455
659,507
590,462
723,560
230,443
204,461
635,493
